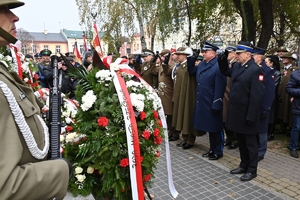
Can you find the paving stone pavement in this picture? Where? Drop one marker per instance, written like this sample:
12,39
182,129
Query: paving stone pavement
197,178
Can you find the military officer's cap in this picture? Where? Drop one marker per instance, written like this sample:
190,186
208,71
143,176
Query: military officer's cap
147,52
46,52
11,3
230,48
164,52
287,55
259,51
244,47
209,47
184,51
282,49
200,57
37,55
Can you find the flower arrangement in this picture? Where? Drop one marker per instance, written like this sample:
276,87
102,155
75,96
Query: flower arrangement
96,143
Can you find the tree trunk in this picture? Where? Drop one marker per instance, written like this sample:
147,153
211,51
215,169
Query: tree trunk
267,21
245,8
280,40
190,23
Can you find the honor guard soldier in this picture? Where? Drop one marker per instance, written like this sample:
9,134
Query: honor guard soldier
25,171
45,68
245,98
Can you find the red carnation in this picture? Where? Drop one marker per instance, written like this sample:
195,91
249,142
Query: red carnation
158,154
143,115
36,77
147,177
102,121
146,134
159,123
69,128
158,140
156,132
124,162
155,114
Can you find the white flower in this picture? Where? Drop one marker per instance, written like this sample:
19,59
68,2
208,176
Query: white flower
8,58
80,177
26,80
78,170
104,75
90,170
81,146
61,138
71,136
88,100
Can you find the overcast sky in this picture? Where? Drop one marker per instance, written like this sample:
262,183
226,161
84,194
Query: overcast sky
50,15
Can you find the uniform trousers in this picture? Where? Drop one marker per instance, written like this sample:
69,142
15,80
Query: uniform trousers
248,146
263,143
171,129
216,142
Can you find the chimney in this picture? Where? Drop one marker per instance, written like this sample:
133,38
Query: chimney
45,32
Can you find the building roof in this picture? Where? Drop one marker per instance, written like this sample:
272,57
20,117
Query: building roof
48,37
77,34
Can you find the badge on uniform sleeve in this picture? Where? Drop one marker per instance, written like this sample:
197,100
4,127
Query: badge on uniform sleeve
145,68
261,77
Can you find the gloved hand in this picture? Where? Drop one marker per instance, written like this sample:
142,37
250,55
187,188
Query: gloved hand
167,58
222,58
189,50
138,59
263,116
196,53
155,58
215,112
250,123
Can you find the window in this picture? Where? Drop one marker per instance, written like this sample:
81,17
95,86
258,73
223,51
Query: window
24,49
34,49
57,49
45,46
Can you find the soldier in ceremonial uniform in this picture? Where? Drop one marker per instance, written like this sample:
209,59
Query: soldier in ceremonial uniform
148,69
285,107
184,97
165,90
37,58
25,171
245,98
45,68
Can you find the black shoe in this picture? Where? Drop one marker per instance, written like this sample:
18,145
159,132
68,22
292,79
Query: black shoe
181,144
187,146
248,176
215,157
227,143
208,154
173,138
238,171
260,158
294,153
232,146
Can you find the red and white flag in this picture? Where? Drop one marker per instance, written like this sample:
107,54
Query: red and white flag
96,41
85,48
76,53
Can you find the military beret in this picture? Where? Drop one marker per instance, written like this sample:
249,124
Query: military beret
259,51
244,47
209,47
46,52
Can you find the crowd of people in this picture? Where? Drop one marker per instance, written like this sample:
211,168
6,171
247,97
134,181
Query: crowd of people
239,96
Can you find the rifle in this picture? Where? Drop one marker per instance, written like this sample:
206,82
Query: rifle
54,113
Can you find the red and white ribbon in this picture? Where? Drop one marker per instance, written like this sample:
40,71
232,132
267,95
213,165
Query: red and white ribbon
16,60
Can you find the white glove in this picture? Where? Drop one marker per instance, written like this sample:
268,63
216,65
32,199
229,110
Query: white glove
189,51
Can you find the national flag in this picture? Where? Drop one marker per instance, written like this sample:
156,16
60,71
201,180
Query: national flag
76,53
96,41
85,48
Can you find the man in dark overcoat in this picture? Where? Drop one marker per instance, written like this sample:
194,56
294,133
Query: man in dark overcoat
245,98
210,87
266,102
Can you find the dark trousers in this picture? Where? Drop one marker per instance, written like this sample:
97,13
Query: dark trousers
248,146
216,142
171,129
189,138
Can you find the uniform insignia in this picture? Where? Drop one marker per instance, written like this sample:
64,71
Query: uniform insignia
261,77
272,76
145,68
184,65
22,96
246,66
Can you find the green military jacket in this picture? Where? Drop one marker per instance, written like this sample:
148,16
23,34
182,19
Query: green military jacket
22,175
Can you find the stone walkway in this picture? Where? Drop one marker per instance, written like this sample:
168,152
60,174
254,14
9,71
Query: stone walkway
197,178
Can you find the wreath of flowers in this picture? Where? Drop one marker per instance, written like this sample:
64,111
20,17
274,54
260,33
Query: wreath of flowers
95,141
